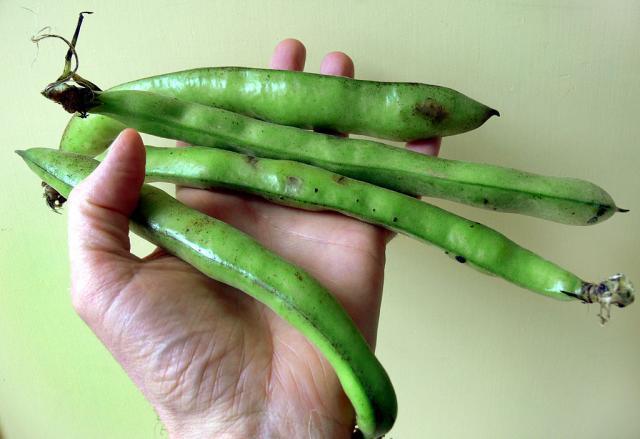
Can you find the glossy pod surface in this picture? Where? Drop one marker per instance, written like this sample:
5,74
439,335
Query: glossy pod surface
564,200
389,110
234,258
307,187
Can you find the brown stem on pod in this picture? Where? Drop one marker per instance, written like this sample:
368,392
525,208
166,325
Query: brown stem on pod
72,47
73,98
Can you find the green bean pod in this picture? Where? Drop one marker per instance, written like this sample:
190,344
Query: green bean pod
389,110
234,258
564,200
311,188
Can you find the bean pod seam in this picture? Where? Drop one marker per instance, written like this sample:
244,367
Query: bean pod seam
564,200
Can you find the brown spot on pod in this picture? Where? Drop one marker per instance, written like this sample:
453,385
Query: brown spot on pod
253,161
293,183
431,110
340,179
602,210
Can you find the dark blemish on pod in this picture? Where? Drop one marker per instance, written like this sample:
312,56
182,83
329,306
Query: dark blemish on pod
293,183
431,110
340,179
395,219
315,190
601,211
251,160
485,201
299,276
461,259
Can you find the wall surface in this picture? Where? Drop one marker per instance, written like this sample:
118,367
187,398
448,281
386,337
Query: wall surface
471,356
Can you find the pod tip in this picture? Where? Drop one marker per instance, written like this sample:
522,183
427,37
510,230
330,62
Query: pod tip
494,112
620,209
20,152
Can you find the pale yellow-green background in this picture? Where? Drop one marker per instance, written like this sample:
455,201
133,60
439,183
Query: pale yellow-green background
471,356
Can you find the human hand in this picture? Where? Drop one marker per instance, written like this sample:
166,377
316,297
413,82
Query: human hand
212,361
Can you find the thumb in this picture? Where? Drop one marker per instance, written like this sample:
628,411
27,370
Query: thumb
99,208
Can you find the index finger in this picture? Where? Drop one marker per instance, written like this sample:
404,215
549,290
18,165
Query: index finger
289,54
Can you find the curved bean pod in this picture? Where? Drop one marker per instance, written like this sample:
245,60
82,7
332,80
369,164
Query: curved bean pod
565,200
234,258
389,110
310,188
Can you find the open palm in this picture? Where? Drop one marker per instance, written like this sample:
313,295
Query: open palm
211,360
